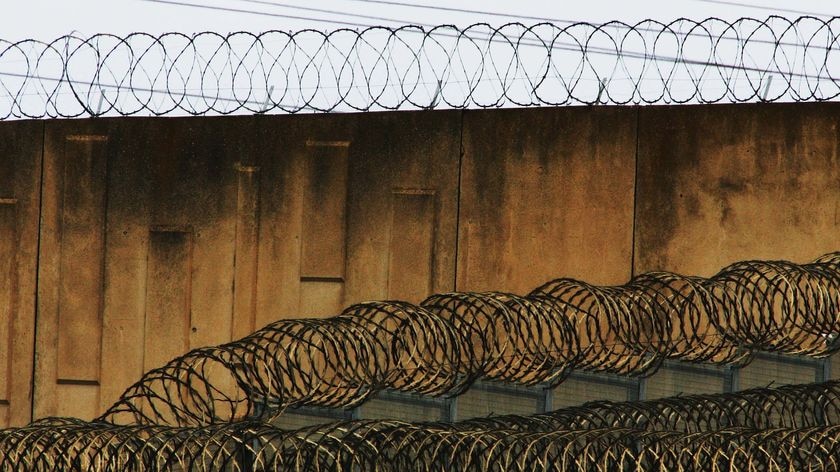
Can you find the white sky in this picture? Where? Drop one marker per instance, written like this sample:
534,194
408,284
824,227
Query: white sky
47,19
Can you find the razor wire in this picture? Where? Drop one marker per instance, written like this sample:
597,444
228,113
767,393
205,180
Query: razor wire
448,341
394,446
417,67
789,428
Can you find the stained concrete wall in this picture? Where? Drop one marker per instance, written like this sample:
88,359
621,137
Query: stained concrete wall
544,193
149,237
724,183
20,171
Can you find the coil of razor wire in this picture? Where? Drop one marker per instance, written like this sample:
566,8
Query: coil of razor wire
414,67
789,428
444,344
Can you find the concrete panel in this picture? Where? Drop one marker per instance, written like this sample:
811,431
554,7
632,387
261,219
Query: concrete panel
247,248
8,294
416,150
281,208
320,298
424,157
194,181
70,273
168,296
546,193
724,183
21,149
410,268
324,210
82,227
126,257
175,175
78,399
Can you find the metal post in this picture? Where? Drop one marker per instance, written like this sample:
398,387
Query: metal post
545,400
767,88
731,379
267,102
641,389
449,411
99,106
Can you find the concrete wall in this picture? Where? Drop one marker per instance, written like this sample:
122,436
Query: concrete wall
717,184
546,193
20,171
125,242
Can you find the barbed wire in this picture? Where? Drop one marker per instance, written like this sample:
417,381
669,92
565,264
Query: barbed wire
421,67
788,428
448,341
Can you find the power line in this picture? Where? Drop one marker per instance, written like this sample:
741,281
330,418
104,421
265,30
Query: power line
481,12
526,42
760,7
548,19
334,12
568,47
252,12
463,10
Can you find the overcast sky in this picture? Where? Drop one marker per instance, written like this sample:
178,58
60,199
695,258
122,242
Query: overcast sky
46,19
152,88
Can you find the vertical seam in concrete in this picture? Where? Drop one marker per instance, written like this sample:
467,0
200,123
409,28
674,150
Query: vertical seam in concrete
36,298
103,267
635,195
641,386
236,230
458,201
